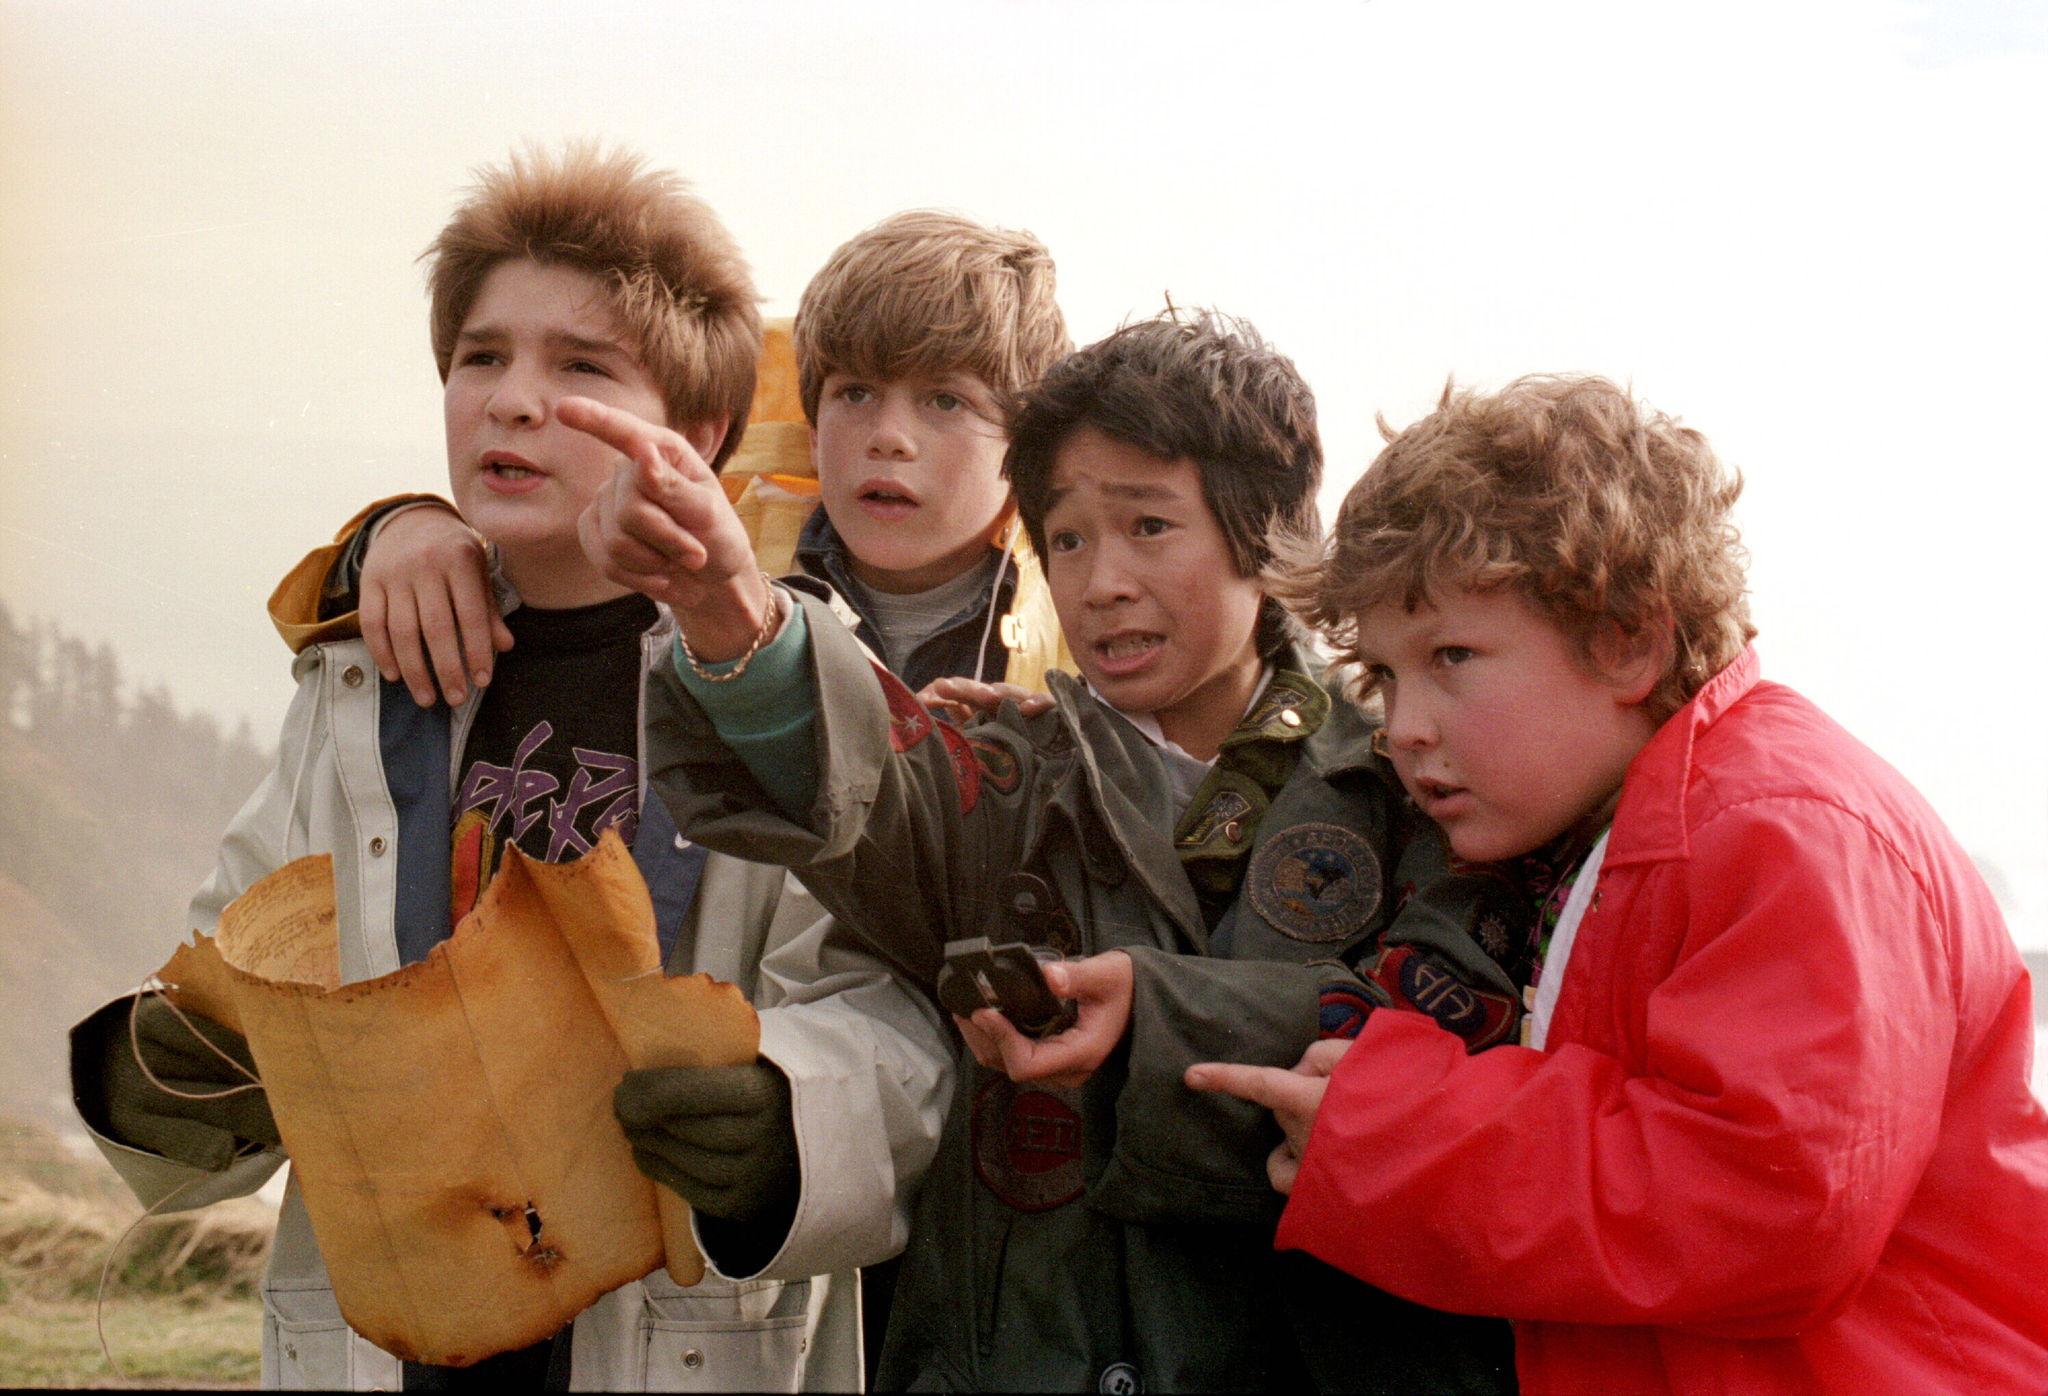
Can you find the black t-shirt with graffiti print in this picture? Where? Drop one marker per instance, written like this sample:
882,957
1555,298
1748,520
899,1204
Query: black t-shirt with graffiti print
552,758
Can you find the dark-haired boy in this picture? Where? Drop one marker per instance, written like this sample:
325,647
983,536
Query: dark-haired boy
1202,819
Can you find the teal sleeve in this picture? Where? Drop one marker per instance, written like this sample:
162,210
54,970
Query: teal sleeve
769,714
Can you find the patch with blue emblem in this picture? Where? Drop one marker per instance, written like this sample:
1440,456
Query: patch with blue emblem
1341,1010
1418,978
1315,882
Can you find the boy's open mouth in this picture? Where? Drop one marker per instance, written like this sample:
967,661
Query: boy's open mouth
1126,650
885,499
503,465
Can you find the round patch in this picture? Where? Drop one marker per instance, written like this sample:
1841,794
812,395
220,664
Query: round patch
1027,1144
1315,882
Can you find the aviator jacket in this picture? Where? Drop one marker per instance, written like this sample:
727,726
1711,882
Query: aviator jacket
364,774
1116,1236
1780,1138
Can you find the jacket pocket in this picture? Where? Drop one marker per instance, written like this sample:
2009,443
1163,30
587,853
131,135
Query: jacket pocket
305,1341
308,1346
725,1335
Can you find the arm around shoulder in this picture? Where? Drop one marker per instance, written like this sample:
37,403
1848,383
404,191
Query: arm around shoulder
304,605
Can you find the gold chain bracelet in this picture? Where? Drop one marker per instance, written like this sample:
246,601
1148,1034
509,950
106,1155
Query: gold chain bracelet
739,666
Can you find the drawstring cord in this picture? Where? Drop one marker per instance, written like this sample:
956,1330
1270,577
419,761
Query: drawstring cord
995,595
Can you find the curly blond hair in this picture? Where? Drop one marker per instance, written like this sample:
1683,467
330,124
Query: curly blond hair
674,275
1598,509
931,292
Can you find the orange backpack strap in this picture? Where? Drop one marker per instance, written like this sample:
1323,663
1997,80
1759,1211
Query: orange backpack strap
770,479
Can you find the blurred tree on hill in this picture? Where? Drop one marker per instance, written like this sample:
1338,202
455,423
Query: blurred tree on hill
114,805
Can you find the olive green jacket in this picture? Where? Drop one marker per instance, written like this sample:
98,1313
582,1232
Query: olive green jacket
1121,1232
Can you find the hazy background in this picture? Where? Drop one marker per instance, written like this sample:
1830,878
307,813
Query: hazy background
1813,230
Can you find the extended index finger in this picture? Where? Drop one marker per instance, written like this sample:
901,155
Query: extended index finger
634,437
1267,1086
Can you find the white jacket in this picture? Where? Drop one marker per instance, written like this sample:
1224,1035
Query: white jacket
868,1061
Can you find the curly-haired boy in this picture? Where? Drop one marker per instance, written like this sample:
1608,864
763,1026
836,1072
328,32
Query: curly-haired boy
1771,1130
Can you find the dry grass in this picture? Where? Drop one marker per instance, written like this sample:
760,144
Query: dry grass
180,1304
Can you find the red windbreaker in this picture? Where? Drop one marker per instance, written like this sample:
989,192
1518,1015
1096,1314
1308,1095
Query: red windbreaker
1781,1138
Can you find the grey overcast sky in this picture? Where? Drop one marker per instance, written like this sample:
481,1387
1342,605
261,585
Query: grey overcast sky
1814,230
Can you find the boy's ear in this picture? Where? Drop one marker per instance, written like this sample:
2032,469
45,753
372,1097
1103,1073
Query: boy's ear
707,436
1634,663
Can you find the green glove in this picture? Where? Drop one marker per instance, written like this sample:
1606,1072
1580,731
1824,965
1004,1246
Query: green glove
721,1136
141,1113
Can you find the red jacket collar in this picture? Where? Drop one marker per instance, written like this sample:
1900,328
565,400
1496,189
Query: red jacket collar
1650,821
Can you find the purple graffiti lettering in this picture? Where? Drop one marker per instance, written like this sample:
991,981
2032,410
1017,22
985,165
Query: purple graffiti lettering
509,791
618,788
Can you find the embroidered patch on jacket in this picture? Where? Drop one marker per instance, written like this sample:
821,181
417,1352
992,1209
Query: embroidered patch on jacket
1288,692
998,764
1341,1010
909,722
1315,882
1416,979
1027,1144
1221,821
966,771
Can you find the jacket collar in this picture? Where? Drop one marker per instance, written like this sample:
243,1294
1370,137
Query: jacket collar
1650,821
822,553
1117,771
820,550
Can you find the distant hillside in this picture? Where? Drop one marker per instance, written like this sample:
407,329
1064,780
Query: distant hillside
113,807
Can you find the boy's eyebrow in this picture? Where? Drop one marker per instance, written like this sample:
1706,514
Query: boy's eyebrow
1143,493
1140,494
557,339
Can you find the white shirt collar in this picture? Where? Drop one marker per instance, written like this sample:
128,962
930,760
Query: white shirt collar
1188,771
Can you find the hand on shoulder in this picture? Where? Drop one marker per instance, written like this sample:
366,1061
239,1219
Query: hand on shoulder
426,607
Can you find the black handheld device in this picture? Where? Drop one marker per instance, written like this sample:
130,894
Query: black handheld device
1009,978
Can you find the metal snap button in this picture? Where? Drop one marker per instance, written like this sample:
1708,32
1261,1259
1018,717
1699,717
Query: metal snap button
377,846
1120,1379
692,1358
353,676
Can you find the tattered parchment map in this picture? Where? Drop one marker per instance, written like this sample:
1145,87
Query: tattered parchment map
451,1124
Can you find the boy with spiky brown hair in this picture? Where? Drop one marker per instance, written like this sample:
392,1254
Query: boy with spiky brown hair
1771,1129
584,274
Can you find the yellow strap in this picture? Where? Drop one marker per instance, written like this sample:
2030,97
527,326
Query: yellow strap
1031,632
